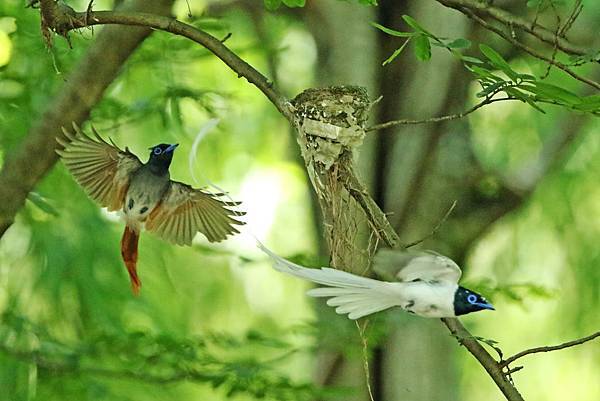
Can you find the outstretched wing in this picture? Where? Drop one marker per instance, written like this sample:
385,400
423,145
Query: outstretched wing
184,211
101,168
426,266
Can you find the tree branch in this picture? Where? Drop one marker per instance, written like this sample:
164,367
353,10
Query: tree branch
491,366
172,25
550,348
486,101
375,216
533,28
528,49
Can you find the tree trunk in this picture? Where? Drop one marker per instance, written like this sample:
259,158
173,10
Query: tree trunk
416,362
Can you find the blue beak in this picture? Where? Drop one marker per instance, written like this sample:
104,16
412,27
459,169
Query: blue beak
485,306
171,148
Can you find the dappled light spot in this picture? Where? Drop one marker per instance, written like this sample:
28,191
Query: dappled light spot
5,48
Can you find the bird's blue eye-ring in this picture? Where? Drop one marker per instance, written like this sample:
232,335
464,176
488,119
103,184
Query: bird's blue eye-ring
472,299
157,151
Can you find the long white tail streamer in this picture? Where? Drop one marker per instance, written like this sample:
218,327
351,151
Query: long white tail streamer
350,294
205,130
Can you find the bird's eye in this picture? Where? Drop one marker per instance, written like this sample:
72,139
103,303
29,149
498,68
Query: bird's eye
471,299
157,151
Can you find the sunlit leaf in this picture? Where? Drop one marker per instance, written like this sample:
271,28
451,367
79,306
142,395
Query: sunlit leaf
471,59
392,32
396,53
272,4
589,103
459,43
422,48
294,3
415,25
498,61
556,92
491,88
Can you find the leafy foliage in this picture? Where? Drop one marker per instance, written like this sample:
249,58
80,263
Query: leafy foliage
220,360
275,4
493,72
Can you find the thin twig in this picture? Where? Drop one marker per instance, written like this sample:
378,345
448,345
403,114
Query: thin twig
577,8
365,351
485,359
555,47
510,20
528,49
435,229
486,101
549,348
375,216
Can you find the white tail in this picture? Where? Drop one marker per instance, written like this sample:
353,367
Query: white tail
355,295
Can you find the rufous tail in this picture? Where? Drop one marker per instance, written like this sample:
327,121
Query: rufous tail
129,252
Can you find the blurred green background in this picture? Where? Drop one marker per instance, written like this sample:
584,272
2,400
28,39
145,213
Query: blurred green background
214,321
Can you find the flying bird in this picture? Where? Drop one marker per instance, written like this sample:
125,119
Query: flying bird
145,194
427,285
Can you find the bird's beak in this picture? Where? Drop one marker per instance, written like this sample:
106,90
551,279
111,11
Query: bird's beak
485,305
171,148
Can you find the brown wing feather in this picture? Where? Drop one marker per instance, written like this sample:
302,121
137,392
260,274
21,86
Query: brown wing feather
184,211
101,168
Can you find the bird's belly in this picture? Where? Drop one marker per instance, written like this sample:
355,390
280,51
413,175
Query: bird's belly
429,300
139,203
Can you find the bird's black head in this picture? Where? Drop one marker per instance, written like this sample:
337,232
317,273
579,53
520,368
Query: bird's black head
161,156
467,301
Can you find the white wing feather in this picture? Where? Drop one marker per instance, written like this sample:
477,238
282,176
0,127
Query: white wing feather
426,266
350,294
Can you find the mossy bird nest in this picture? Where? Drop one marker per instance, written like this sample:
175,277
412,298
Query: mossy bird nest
331,127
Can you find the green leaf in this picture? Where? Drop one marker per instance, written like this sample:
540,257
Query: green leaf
491,88
42,203
392,32
556,93
517,94
459,43
470,59
272,4
482,72
533,104
396,53
422,48
294,3
499,62
415,25
589,103
527,77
